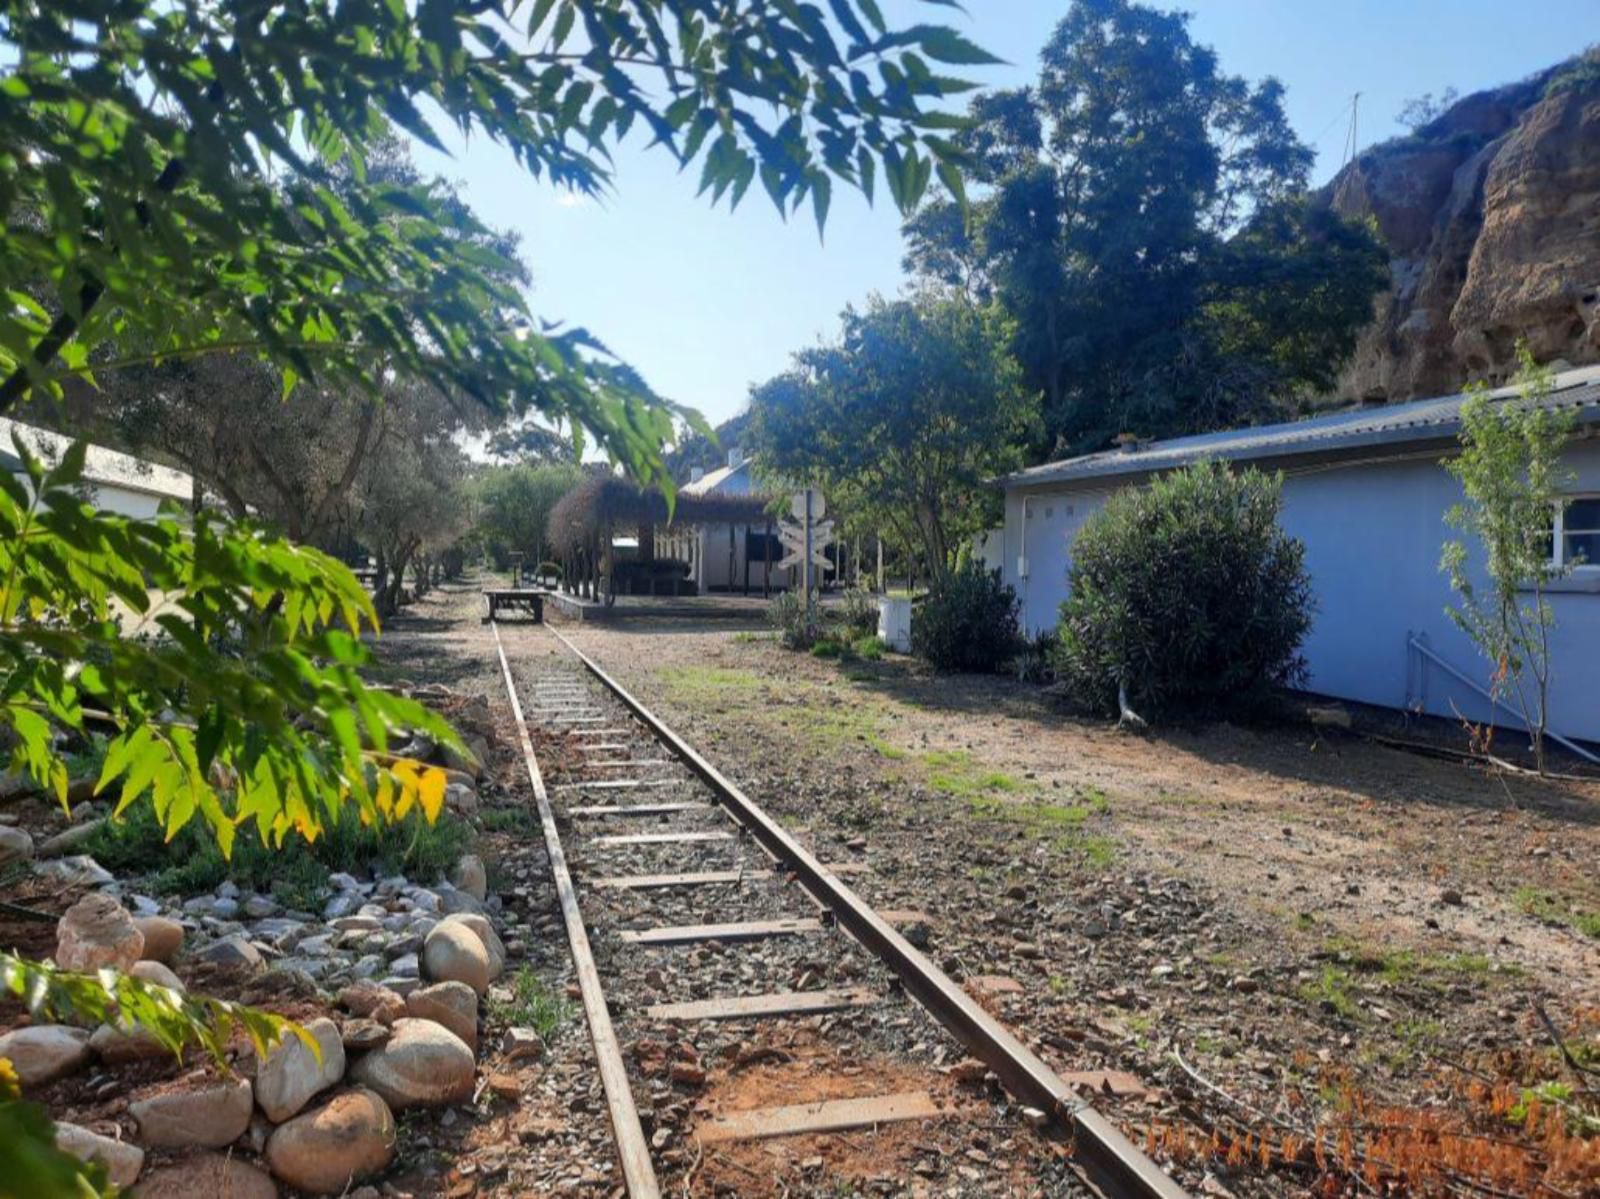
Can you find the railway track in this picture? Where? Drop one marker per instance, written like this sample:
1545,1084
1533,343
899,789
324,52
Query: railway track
724,942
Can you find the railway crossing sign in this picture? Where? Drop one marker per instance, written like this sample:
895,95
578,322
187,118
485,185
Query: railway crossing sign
794,540
806,537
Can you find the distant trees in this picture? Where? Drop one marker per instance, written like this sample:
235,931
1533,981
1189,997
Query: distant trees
1142,219
513,506
902,421
1511,472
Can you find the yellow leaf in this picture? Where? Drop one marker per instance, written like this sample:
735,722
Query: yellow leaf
430,790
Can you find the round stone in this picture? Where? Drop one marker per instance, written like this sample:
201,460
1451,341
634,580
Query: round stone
208,1176
452,1004
45,1052
155,972
121,1160
326,1151
207,1116
292,1074
485,933
454,953
423,1065
15,844
163,937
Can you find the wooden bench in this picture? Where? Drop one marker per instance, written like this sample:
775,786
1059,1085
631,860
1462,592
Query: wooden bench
525,599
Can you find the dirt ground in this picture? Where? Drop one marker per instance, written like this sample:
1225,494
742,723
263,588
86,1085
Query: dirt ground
1304,920
1328,963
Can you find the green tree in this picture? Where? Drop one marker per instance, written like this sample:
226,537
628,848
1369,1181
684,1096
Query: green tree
1142,217
178,180
1511,472
143,148
1185,598
514,505
901,422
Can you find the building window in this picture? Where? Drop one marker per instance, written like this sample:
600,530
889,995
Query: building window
1577,533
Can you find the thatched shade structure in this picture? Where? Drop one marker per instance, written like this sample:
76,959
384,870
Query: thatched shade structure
586,519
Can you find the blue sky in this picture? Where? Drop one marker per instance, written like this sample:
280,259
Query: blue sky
705,303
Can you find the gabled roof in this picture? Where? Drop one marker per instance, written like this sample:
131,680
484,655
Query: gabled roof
102,467
713,480
1391,428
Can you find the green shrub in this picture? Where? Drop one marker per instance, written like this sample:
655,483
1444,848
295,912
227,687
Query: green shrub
296,875
1035,659
870,649
796,629
1189,592
968,622
828,648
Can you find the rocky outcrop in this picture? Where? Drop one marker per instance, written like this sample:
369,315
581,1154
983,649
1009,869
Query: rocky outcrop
1491,213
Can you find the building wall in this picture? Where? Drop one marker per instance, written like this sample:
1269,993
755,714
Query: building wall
715,572
1373,535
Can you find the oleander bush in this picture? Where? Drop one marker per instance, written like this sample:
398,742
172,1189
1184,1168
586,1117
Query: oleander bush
968,622
1187,594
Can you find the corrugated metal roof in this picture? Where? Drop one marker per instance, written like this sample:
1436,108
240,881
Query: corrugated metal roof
1392,426
103,467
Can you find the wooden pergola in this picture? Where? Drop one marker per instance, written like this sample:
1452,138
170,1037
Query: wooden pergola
586,520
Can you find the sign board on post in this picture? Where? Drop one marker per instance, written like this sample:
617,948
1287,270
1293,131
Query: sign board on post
807,536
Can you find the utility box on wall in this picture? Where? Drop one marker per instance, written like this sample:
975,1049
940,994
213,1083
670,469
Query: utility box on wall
894,623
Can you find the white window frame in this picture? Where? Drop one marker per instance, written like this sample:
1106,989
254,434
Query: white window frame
1558,543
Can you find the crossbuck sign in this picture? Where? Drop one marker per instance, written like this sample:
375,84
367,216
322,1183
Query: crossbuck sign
807,535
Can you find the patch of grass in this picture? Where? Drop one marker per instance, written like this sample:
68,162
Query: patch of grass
828,649
508,820
1062,825
1548,906
869,649
710,684
295,874
1334,989
1416,1037
532,1005
1405,966
750,637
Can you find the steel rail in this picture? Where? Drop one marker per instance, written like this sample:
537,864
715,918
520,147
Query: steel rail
1110,1161
633,1151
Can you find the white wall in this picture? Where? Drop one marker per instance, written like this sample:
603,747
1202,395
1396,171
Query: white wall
1373,534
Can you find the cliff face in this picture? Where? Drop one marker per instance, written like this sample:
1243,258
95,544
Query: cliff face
1491,214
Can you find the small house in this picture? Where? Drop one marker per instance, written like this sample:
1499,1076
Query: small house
1366,491
112,481
729,555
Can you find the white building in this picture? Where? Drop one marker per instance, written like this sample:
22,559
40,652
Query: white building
112,481
1367,492
741,555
